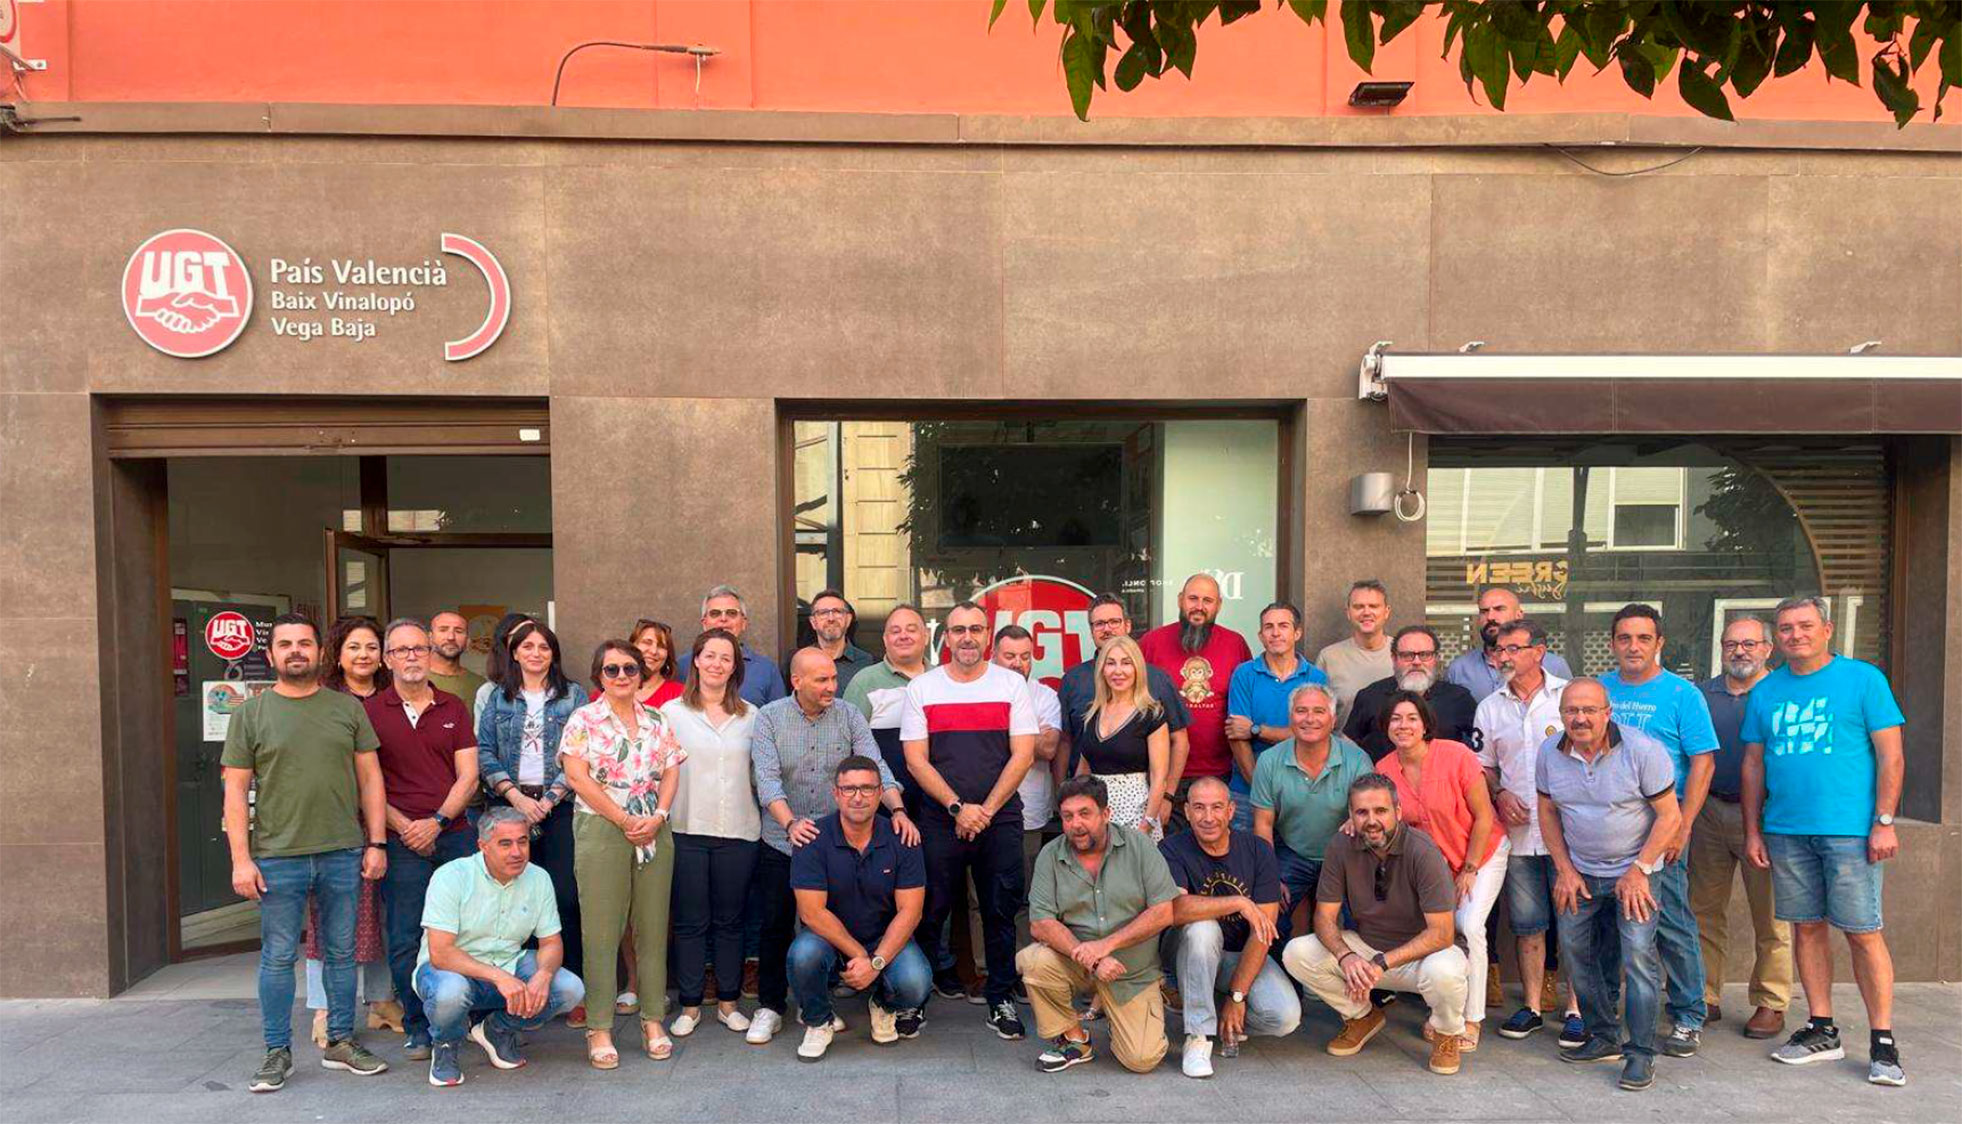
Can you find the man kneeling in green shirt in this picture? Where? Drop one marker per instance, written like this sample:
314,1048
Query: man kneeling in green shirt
477,916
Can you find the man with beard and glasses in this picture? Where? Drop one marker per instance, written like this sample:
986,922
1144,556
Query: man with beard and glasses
1413,658
1109,619
832,621
1716,847
318,827
1362,657
1102,894
449,636
1200,655
1257,700
1478,669
969,730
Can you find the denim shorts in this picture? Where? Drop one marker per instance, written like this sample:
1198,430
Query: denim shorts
1825,878
1529,894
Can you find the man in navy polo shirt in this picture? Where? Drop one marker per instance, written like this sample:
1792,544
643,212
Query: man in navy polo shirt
860,893
428,760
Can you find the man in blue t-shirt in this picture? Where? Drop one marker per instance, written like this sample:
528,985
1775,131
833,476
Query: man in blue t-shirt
1823,734
1670,709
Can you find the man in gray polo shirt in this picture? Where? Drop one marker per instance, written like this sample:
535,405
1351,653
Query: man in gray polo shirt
794,751
1608,809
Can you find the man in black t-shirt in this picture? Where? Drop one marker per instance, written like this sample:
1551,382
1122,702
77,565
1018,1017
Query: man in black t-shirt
1223,925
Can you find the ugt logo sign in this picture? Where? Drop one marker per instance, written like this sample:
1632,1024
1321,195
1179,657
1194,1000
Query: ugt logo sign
186,293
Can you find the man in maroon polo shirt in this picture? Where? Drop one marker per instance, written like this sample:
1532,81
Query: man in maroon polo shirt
428,761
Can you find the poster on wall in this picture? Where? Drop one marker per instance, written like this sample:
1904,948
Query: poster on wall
482,621
221,699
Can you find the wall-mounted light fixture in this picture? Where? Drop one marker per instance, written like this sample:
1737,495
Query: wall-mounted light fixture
1379,95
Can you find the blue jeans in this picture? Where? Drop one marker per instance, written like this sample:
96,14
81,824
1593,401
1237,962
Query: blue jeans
903,986
334,877
403,889
1592,940
449,999
1205,968
1825,878
1298,878
1680,945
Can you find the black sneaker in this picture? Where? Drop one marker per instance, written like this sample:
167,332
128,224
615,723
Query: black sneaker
1593,1050
947,985
1682,1042
1021,992
500,1044
1523,1022
1065,1053
273,1072
1638,1072
416,1046
1382,997
1006,1020
1810,1044
909,1022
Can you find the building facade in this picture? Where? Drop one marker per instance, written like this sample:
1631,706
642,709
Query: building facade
590,362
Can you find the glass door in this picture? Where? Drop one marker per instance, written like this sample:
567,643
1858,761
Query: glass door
357,576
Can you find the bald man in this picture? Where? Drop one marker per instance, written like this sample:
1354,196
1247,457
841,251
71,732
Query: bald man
1479,669
794,750
1199,654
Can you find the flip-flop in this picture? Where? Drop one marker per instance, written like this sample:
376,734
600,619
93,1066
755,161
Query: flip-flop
601,1057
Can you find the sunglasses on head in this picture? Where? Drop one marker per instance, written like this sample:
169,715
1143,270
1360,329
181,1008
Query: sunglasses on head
1382,881
621,670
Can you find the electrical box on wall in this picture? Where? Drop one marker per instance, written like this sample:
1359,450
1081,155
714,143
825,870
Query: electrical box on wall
1371,493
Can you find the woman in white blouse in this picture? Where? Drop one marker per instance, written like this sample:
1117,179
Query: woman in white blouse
716,828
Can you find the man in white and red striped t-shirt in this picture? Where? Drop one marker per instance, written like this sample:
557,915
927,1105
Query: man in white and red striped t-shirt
969,731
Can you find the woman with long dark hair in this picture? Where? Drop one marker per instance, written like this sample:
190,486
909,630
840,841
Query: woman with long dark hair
518,731
497,658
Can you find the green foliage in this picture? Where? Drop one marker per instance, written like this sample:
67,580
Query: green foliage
1724,47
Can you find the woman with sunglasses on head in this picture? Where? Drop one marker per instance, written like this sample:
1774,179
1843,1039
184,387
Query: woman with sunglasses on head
621,760
717,825
518,731
1441,789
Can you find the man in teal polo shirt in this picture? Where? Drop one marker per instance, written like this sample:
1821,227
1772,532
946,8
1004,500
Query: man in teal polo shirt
476,918
1301,794
1257,700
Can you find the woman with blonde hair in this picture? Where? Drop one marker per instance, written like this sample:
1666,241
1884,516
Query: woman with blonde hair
1125,741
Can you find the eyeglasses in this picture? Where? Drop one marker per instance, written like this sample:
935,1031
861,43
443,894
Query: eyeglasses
1744,645
967,630
858,789
1420,657
827,612
621,671
407,650
1513,649
1583,711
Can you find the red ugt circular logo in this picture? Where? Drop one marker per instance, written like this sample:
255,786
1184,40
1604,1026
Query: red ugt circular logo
229,635
186,293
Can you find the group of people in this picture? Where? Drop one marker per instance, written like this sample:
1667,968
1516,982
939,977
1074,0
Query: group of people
1149,834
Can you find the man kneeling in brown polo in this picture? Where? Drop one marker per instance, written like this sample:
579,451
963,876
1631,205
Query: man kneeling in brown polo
1400,896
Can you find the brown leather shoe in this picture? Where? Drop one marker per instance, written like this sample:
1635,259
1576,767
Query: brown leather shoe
1495,991
1467,1042
1712,1013
1765,1023
1444,1054
1356,1033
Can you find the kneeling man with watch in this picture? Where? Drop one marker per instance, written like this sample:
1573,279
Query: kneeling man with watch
860,892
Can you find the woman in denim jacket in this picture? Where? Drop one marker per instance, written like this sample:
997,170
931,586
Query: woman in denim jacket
518,729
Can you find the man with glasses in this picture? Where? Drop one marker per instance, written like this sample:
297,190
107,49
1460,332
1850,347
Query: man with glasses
723,608
1257,700
449,638
428,760
969,730
1078,689
1716,849
1478,670
1608,812
832,618
860,893
1413,661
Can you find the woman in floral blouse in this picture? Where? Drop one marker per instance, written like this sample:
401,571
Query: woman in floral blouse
620,759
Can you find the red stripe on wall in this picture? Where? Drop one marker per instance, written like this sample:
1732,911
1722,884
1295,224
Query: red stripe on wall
948,718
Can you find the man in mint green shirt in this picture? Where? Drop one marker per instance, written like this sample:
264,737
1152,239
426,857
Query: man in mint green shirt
1301,793
476,918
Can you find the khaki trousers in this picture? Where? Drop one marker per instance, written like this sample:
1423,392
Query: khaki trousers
1137,1027
614,890
1716,849
1441,978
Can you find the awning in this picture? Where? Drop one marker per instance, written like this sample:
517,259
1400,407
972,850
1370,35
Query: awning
1504,394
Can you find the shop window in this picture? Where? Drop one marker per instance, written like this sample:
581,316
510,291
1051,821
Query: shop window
934,511
469,495
1705,532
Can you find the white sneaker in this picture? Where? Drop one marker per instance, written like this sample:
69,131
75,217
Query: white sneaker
763,1027
885,1025
837,1022
817,1039
1198,1056
735,1020
684,1025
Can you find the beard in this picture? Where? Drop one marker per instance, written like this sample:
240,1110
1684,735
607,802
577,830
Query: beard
1193,638
449,651
1742,669
1489,632
1417,680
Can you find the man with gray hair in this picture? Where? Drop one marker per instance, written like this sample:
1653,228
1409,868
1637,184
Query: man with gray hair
479,913
428,761
1301,794
1413,660
723,607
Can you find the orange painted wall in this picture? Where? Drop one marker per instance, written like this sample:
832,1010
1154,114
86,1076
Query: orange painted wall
883,56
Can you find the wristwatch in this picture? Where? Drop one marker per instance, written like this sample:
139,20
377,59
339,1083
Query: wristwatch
442,821
1380,962
878,963
1237,996
1884,819
378,846
954,809
1648,868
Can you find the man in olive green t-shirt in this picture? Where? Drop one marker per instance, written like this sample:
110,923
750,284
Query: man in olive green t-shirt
320,829
449,635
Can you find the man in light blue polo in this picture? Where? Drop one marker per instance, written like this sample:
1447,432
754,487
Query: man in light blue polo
1480,669
1670,709
1301,795
476,918
1257,701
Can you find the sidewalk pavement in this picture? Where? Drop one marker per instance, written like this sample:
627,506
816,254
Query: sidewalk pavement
182,1047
